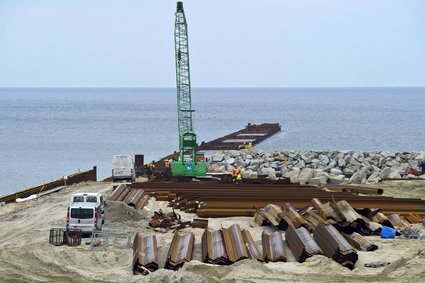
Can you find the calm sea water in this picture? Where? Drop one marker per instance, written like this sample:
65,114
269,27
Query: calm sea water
48,133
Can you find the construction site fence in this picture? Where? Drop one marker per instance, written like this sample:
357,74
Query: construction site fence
90,175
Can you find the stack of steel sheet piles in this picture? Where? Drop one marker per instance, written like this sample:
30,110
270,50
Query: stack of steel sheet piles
360,242
234,243
301,243
131,196
223,200
396,221
145,254
335,246
273,248
181,251
272,214
213,248
349,219
292,217
119,193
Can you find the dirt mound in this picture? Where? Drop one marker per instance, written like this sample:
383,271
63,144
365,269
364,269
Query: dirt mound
118,211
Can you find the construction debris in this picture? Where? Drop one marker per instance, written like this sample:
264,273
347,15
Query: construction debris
335,246
181,251
411,233
167,220
301,243
199,223
376,264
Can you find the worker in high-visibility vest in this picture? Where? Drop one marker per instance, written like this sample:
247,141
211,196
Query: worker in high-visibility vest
167,164
239,179
249,145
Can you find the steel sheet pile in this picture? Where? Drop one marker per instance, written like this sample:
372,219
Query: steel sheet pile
181,251
145,254
273,247
132,197
301,243
335,246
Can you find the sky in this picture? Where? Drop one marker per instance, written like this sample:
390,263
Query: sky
238,43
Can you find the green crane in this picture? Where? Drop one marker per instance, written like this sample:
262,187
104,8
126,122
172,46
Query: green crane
186,164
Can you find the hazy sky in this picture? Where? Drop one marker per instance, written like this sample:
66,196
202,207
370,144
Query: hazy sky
237,43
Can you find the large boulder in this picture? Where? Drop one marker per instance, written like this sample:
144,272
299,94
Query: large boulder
336,179
305,175
293,175
271,174
253,175
394,174
335,171
385,172
420,156
230,161
324,159
317,181
359,177
374,178
217,157
300,164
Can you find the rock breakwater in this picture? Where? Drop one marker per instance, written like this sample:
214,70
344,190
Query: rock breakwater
319,167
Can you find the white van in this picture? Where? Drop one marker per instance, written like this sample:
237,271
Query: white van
87,197
96,198
123,168
86,216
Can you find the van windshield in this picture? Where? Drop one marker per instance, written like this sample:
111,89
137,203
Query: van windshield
78,199
91,199
82,213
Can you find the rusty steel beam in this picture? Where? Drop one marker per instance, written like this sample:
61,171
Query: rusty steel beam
145,254
325,213
117,192
357,189
396,221
213,248
199,223
251,246
234,243
273,248
301,243
360,242
292,217
181,251
334,245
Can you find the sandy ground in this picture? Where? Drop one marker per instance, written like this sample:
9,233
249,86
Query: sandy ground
26,255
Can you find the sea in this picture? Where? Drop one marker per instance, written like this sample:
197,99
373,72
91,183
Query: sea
47,133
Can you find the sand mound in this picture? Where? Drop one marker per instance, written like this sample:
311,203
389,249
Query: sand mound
118,211
164,275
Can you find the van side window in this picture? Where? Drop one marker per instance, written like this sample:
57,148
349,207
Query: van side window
91,199
78,199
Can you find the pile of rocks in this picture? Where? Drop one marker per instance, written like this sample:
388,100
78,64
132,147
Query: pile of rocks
319,167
